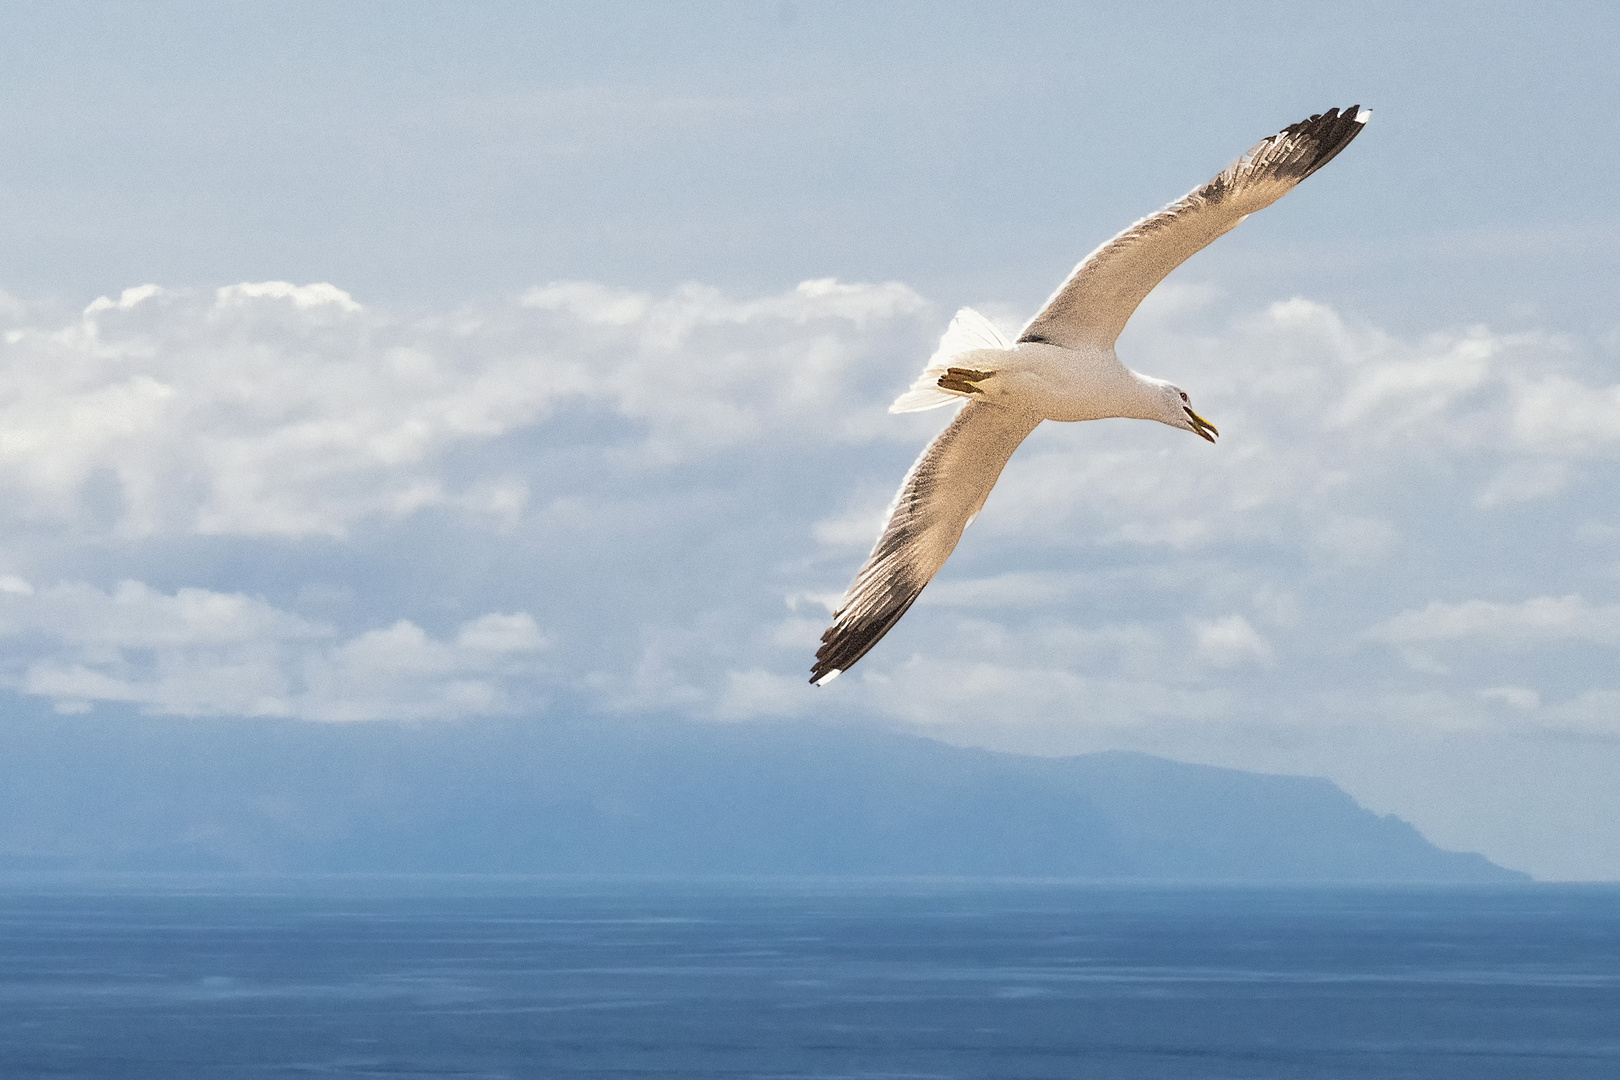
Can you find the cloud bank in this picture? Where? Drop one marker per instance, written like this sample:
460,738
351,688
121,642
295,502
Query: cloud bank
273,500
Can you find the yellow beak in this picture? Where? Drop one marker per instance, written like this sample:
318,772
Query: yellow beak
1200,425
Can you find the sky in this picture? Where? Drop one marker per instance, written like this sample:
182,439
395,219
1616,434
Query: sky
422,361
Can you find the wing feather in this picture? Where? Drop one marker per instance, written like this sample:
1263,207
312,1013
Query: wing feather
943,491
1093,305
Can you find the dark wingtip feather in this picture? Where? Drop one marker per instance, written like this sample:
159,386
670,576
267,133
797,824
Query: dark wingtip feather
842,645
1329,132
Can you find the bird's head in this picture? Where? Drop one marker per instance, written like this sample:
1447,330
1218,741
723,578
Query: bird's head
1175,409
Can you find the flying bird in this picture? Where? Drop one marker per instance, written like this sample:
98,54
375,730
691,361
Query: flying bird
1062,367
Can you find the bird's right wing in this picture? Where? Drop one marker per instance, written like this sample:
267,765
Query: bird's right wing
939,497
1093,305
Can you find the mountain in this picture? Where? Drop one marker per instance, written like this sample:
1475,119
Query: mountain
664,797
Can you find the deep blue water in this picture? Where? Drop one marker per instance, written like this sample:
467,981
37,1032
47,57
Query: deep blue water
176,979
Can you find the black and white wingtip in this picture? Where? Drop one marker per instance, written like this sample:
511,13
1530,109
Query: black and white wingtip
1326,134
847,641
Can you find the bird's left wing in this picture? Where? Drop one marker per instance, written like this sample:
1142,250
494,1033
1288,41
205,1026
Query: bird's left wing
1093,305
940,495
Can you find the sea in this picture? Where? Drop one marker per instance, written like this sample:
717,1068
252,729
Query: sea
196,978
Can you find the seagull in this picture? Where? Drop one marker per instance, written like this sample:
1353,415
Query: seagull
1062,367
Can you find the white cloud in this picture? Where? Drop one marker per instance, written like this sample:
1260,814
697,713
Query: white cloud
1556,414
198,652
401,673
1542,620
318,295
1231,641
497,634
275,409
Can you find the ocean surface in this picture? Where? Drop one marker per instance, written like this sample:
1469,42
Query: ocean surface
199,978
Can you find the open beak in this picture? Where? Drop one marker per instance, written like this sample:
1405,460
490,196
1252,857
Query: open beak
1200,425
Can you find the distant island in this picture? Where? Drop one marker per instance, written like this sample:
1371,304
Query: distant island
609,797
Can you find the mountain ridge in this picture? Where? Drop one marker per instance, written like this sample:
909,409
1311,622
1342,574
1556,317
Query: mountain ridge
604,796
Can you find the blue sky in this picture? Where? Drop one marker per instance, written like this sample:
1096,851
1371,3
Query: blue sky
366,361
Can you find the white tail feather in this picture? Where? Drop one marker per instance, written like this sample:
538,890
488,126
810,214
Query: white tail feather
969,332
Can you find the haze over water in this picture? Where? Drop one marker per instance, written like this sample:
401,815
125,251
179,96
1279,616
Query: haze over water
207,978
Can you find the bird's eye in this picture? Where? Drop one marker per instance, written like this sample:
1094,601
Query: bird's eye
1184,396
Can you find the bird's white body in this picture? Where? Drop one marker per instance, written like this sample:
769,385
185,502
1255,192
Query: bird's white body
1062,367
1081,380
1068,385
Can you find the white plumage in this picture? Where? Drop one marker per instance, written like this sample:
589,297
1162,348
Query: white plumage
1062,367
